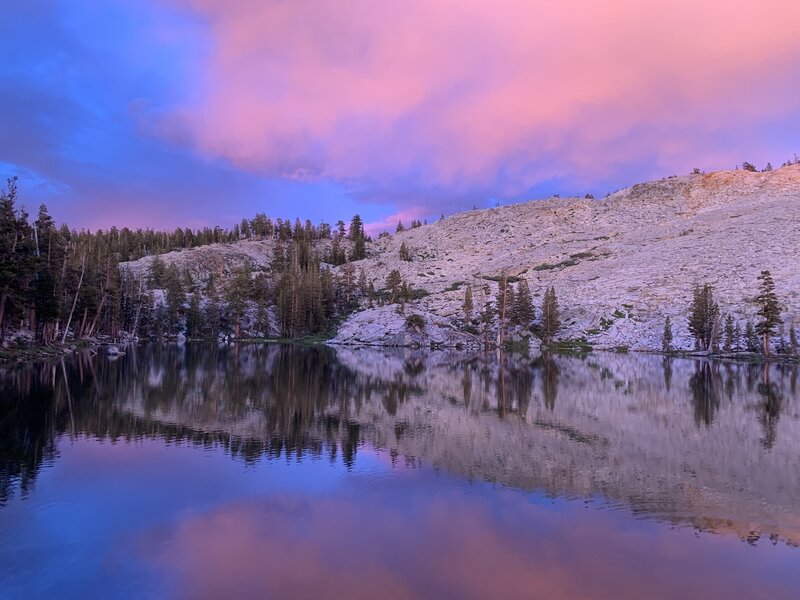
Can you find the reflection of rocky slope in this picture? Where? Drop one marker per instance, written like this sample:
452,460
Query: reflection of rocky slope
629,259
713,446
712,449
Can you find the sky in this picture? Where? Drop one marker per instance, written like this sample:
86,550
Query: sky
165,113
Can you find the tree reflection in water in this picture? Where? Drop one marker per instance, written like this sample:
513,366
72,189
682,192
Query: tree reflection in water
657,421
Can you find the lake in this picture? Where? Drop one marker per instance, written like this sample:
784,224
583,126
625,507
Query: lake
283,471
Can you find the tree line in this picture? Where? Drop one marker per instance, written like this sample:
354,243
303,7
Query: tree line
713,333
56,282
511,307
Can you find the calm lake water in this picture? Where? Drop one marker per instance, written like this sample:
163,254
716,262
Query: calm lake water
256,471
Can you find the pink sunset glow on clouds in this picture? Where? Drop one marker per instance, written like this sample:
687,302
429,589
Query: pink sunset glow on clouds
449,546
170,112
452,98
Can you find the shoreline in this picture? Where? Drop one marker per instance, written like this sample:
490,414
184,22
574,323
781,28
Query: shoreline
11,356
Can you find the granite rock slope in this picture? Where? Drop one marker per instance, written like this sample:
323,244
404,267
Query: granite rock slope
620,265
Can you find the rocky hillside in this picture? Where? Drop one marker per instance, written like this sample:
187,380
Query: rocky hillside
620,265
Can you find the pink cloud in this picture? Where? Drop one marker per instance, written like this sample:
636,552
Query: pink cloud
498,96
390,223
451,545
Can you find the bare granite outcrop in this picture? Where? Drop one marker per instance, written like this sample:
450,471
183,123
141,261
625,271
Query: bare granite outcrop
620,265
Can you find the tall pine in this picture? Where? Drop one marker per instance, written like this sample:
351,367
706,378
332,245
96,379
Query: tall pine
704,317
768,309
550,319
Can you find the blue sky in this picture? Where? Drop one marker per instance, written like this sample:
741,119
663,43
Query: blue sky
172,113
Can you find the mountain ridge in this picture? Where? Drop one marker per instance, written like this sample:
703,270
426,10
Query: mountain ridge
620,265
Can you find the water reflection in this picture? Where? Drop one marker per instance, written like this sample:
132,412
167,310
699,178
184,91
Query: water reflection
706,386
770,409
694,443
502,549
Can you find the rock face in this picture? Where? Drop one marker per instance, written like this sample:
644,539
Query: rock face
619,265
385,326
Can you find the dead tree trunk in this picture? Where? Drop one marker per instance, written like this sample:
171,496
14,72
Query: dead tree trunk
106,285
502,320
82,328
138,309
74,300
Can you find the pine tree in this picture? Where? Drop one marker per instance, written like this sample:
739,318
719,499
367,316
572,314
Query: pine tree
284,301
405,294
156,272
399,227
769,309
704,317
362,282
523,311
194,317
737,337
782,346
237,295
212,319
550,321
17,256
337,254
51,253
751,339
278,262
468,306
316,320
9,238
794,348
666,338
45,304
729,333
176,296
393,282
358,238
404,252
356,228
261,293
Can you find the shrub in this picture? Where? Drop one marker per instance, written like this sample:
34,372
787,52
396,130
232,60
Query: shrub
416,322
498,278
454,286
417,293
